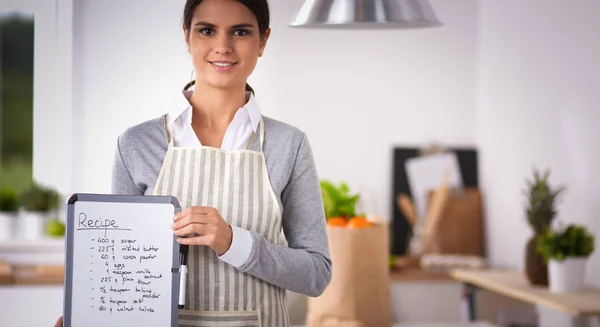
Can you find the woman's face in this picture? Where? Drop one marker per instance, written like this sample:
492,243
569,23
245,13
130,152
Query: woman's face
224,42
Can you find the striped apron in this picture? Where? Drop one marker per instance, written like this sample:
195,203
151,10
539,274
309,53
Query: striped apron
237,184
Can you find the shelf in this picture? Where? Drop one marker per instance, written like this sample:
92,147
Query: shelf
31,275
33,246
40,275
416,274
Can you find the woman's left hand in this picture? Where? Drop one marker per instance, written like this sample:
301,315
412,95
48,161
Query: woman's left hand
213,230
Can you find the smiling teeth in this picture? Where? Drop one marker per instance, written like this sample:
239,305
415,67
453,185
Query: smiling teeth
219,64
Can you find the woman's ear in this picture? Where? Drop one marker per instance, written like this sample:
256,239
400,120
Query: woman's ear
263,42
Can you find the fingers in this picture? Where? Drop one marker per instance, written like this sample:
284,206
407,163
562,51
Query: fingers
59,322
201,229
192,211
204,226
195,215
207,240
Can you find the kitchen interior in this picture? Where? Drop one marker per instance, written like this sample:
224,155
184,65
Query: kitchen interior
456,143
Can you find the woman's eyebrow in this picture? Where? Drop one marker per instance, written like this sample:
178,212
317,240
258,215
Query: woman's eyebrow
243,25
205,24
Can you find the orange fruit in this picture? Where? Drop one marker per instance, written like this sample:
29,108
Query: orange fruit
358,222
336,222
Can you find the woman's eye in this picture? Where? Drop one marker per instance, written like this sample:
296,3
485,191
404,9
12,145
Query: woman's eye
206,31
241,32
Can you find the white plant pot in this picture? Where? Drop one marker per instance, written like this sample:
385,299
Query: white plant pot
566,276
7,225
31,225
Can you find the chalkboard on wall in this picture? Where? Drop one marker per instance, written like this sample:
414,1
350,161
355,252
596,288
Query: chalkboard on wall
400,228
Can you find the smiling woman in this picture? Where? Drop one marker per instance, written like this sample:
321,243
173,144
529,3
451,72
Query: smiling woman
245,28
253,215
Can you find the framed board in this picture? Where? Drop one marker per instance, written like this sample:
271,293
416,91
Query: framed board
122,261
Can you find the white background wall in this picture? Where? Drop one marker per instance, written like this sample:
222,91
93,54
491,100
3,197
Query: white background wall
538,105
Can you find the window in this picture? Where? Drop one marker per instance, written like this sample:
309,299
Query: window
16,99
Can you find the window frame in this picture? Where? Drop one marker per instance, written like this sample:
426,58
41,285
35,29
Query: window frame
53,128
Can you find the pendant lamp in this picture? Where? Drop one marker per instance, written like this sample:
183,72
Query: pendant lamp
365,14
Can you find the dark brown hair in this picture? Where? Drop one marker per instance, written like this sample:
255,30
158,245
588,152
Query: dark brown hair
260,9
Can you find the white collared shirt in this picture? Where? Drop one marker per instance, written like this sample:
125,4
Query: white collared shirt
238,134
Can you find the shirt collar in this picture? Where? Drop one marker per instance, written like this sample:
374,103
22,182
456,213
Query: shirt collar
183,110
253,111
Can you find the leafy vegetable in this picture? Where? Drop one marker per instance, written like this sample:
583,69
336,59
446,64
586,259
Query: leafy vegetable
337,200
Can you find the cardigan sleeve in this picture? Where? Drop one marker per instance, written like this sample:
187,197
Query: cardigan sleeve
304,266
122,183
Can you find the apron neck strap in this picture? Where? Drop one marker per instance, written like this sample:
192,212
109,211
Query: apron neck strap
167,135
262,133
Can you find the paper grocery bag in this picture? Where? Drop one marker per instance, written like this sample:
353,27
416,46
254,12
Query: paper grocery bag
359,292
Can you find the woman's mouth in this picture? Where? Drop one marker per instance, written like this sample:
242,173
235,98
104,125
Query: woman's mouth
222,66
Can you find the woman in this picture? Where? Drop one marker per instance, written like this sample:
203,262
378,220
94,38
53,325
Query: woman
241,178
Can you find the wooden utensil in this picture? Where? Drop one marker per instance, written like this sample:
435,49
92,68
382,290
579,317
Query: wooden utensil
407,207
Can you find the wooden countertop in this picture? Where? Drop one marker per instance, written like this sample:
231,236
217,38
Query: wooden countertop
513,284
416,274
31,275
54,275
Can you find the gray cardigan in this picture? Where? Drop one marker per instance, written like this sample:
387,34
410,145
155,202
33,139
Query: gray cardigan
302,267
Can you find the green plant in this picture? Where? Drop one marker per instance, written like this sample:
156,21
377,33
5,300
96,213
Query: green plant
38,198
9,200
337,200
541,205
569,242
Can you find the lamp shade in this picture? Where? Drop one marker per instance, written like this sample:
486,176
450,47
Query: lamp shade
365,14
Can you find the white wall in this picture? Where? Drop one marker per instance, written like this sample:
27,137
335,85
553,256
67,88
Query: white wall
355,93
538,105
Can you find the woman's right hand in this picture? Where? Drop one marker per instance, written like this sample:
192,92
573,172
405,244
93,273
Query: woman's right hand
59,322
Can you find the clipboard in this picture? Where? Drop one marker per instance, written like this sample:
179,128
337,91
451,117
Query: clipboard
121,261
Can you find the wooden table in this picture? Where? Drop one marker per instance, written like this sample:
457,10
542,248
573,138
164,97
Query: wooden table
513,284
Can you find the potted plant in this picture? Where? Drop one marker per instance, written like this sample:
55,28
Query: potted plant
36,203
9,207
566,250
541,211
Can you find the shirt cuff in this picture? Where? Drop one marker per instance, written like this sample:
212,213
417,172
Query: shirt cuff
240,249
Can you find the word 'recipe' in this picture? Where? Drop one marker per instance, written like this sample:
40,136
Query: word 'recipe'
94,224
84,222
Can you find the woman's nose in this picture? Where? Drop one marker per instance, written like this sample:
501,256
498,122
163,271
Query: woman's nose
223,44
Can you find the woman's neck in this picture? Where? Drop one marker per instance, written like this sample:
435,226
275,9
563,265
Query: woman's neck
214,108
